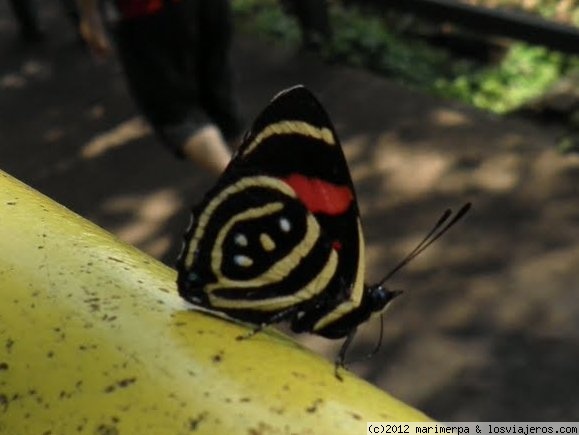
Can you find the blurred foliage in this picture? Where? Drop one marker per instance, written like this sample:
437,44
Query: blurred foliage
523,74
379,42
569,144
266,17
564,11
364,40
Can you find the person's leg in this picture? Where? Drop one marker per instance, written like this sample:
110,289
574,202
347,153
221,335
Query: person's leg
215,73
70,10
314,21
207,148
200,139
26,14
152,59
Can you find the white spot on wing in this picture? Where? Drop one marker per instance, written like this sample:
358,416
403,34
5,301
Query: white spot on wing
240,240
242,260
285,224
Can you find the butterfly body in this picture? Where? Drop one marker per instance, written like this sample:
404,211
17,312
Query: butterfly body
279,237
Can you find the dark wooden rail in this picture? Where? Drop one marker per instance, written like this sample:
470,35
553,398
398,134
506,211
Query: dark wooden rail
500,22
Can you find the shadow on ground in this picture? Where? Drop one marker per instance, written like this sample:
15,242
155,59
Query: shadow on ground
489,326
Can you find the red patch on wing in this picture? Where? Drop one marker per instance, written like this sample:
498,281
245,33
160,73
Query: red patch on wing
320,196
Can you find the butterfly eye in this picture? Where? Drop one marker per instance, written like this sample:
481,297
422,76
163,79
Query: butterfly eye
379,296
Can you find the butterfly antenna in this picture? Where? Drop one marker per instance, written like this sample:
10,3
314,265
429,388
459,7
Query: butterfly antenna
442,226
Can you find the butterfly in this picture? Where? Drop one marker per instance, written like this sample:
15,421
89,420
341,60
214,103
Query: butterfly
279,237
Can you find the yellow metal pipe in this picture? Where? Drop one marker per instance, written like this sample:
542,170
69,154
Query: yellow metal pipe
94,339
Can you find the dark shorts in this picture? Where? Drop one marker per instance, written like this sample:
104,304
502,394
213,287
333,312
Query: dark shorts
177,68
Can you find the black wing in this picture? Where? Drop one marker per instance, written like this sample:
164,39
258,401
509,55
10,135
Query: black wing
280,231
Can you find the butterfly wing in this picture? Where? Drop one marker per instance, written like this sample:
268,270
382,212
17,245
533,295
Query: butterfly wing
280,231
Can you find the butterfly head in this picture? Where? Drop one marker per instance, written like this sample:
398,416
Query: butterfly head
378,296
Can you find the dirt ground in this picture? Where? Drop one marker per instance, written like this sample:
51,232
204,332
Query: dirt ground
489,326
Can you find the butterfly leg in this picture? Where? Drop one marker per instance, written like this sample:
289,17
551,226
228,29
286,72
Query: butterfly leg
339,363
276,318
251,333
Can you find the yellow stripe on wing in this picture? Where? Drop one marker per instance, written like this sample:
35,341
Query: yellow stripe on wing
239,186
316,286
250,213
355,298
291,127
277,272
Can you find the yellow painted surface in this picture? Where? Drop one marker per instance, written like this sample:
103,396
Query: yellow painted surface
94,339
